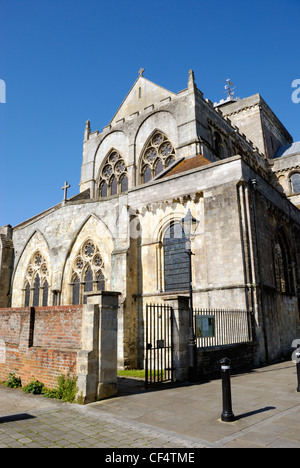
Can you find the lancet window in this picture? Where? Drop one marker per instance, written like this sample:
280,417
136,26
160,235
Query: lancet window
158,155
283,266
87,273
113,178
37,281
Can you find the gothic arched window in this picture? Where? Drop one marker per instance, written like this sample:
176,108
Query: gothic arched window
113,177
36,291
27,295
158,155
87,273
218,145
176,259
295,182
76,291
37,279
45,293
283,266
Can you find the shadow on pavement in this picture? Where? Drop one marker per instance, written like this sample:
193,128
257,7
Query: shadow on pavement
16,417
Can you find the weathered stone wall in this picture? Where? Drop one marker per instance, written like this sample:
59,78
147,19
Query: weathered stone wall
256,120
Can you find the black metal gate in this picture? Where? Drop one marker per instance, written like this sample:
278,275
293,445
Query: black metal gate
159,344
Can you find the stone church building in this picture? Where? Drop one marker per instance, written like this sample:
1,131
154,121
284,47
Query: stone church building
232,165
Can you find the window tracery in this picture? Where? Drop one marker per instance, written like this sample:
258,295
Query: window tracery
158,155
37,282
113,178
87,273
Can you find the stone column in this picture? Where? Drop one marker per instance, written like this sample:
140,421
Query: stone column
97,360
180,305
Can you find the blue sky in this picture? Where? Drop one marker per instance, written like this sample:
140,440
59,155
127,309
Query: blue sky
66,61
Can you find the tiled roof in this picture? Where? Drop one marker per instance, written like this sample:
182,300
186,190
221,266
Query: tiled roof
187,165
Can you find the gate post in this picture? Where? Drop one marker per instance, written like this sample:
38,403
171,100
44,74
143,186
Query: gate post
180,306
97,360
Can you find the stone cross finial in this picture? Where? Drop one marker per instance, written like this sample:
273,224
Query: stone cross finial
65,189
141,71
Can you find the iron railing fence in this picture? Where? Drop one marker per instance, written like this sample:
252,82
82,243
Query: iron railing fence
219,327
159,344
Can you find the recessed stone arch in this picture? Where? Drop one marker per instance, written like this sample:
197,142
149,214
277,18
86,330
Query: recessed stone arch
93,235
36,245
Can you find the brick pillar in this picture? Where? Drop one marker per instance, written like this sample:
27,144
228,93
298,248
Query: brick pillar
180,305
97,360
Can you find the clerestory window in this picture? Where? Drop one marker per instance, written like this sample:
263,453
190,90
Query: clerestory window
113,177
158,155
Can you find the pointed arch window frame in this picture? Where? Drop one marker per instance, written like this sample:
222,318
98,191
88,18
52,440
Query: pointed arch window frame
283,265
88,259
158,149
33,291
112,174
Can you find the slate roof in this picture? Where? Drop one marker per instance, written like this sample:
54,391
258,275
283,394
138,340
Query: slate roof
288,150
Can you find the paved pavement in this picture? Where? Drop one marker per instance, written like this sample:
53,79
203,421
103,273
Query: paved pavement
265,403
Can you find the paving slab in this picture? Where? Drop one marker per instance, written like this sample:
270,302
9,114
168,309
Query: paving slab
265,403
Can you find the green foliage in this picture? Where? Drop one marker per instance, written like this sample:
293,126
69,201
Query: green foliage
66,390
49,392
13,381
34,387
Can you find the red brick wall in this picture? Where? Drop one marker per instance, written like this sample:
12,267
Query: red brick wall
41,343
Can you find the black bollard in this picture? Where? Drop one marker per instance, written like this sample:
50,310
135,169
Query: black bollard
297,353
227,414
